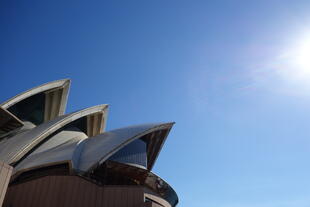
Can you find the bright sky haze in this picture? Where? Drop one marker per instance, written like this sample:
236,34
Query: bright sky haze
233,75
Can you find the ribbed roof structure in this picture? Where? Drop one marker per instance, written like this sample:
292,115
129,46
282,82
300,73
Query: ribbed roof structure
36,138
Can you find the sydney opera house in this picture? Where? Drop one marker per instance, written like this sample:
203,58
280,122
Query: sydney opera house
48,158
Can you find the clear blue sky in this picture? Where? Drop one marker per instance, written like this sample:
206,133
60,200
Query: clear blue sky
227,72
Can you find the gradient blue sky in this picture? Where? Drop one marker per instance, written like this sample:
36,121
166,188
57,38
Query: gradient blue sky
221,70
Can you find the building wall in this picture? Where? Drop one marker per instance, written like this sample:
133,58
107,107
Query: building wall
5,175
154,200
64,191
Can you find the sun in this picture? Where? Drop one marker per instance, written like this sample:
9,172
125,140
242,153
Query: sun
293,65
301,57
290,69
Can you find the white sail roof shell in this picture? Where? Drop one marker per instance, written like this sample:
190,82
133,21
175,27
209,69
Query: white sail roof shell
14,148
83,154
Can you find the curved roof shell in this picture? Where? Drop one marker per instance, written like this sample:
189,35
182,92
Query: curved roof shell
83,155
55,95
35,136
15,148
98,149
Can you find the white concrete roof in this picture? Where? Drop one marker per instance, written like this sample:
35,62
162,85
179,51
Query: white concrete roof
65,83
14,148
83,154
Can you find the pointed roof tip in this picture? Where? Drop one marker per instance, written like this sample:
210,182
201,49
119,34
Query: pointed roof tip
170,123
65,83
148,126
61,80
64,80
160,124
56,83
164,124
101,107
91,109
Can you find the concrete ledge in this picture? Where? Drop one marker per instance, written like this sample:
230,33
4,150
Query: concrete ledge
5,175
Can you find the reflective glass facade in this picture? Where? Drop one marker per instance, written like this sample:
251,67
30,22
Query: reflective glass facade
30,109
133,153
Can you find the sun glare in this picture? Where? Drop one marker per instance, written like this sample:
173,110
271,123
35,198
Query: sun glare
301,57
294,63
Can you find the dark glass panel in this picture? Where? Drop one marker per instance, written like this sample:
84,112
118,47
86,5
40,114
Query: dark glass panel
133,153
30,109
80,123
